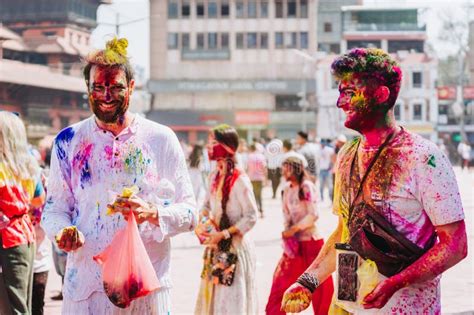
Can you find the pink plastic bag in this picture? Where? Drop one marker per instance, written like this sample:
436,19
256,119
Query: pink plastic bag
127,271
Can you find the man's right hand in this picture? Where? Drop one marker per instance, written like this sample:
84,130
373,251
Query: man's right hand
69,239
296,299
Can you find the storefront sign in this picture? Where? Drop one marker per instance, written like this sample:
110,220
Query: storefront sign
447,93
468,92
250,118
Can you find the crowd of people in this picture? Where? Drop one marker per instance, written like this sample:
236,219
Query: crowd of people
394,192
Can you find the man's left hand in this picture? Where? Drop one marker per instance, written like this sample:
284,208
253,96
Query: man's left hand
142,210
214,238
381,294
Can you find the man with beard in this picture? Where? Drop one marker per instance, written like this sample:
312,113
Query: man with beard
397,200
92,161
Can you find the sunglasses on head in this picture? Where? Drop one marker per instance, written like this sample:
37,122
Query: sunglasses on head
17,114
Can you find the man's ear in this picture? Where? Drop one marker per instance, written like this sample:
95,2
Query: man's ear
131,86
382,94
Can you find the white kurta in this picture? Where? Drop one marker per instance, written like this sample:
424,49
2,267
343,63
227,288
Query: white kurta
87,163
241,296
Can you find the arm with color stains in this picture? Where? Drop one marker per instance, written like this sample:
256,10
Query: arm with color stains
182,215
451,249
60,200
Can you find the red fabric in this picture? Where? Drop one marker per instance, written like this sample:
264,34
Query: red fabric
14,203
216,180
287,272
219,152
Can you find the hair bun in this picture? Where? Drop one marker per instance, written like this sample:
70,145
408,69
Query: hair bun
116,51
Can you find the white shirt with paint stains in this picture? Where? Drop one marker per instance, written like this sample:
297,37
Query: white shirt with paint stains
87,163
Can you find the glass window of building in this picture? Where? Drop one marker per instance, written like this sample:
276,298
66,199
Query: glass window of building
263,9
185,9
287,103
185,41
327,27
212,40
417,79
291,8
212,9
172,40
304,40
225,8
252,40
279,8
252,9
417,112
200,9
304,9
239,41
239,9
396,111
263,40
291,40
279,40
173,9
200,44
224,40
335,48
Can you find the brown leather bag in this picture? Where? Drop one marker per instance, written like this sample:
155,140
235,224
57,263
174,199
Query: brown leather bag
375,238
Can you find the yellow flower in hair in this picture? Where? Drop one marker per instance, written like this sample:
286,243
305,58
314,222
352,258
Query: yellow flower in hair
116,51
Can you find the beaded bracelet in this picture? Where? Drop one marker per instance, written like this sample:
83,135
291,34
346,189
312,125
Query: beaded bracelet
309,281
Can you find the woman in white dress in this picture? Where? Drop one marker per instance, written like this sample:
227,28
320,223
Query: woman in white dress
228,276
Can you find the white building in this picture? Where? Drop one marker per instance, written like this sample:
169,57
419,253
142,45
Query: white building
233,61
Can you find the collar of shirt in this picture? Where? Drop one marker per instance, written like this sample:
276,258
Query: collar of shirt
128,131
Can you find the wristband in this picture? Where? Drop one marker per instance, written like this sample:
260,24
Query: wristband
309,281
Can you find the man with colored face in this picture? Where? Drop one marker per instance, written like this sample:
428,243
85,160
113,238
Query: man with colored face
402,180
95,160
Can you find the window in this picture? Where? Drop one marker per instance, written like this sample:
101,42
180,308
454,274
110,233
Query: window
185,41
396,111
185,9
417,80
304,9
263,9
327,27
239,41
225,9
212,40
200,41
212,9
304,40
334,83
200,11
263,40
278,8
252,9
292,12
172,9
287,103
172,40
335,48
291,40
224,40
278,40
239,9
252,40
417,113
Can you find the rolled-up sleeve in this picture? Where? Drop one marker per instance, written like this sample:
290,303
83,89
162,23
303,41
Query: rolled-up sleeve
57,212
181,215
247,204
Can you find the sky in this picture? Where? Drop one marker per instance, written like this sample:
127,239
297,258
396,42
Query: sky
134,15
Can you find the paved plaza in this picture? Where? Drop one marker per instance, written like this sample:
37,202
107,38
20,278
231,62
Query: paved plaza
457,283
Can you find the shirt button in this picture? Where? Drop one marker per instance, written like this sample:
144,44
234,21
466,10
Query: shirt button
104,131
116,154
117,138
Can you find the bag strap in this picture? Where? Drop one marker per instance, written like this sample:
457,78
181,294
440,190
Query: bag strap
372,163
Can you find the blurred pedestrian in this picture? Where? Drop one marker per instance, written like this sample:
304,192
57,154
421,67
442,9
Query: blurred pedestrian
257,172
325,166
242,154
19,179
339,143
228,276
301,238
310,152
464,150
274,155
196,171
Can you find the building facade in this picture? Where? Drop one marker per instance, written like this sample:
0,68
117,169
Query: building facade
247,63
398,32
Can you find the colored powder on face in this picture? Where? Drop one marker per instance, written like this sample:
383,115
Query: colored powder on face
358,100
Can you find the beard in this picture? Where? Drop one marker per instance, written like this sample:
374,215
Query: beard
110,116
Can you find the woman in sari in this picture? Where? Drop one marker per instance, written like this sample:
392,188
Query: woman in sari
228,276
301,239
